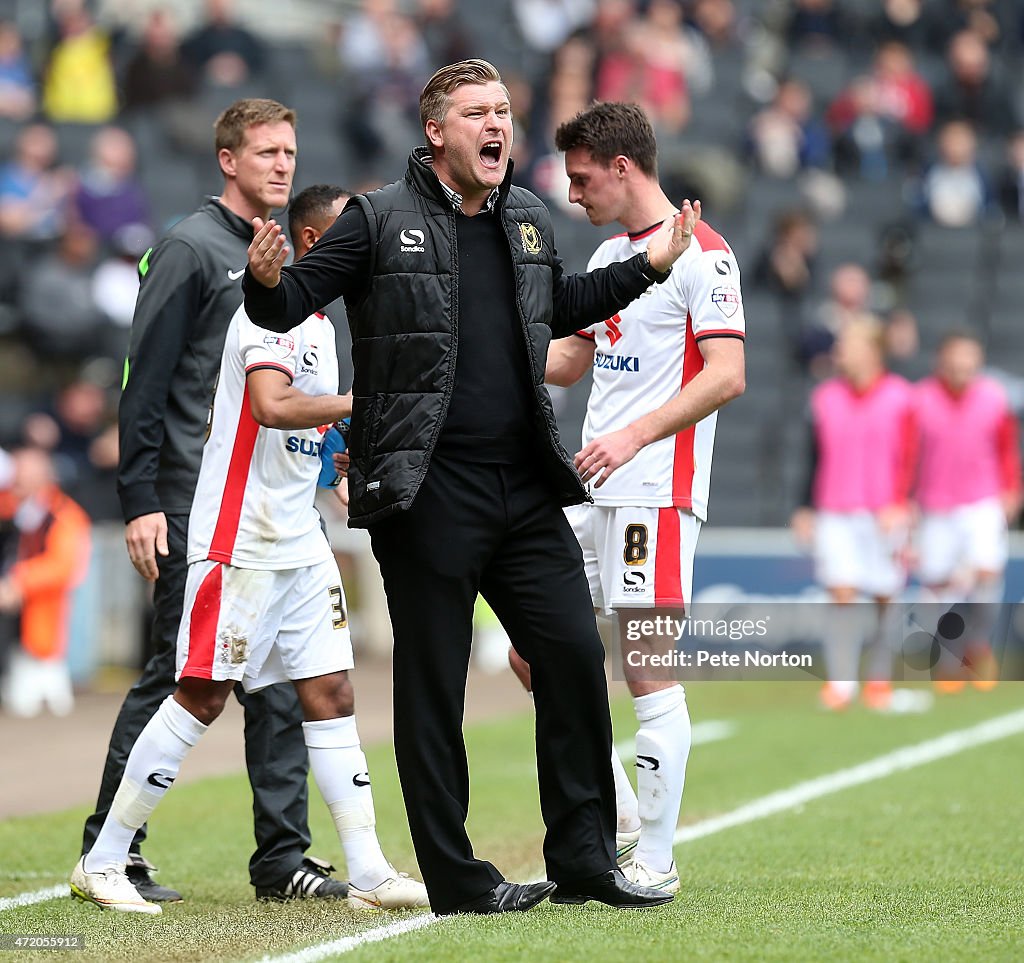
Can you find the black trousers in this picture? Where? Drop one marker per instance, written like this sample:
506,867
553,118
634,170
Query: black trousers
275,750
494,529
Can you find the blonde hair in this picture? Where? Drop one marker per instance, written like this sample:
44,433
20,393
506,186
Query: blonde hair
231,126
436,98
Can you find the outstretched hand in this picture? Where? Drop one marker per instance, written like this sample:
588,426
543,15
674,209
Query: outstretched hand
268,252
673,237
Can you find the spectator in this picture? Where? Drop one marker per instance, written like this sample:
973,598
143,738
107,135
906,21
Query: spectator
116,282
75,432
440,26
879,119
109,196
224,52
158,73
50,557
647,68
363,37
849,302
547,24
903,21
1011,182
784,137
17,86
79,85
816,25
33,190
973,91
954,190
59,316
786,269
382,114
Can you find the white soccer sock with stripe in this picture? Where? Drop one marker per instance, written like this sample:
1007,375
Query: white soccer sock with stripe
339,768
662,748
626,807
152,766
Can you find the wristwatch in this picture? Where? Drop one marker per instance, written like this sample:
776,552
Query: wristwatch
649,271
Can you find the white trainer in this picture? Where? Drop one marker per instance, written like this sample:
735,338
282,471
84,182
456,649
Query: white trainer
110,890
625,843
400,891
668,882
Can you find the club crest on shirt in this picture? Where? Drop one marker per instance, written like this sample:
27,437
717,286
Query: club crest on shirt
727,298
280,344
531,238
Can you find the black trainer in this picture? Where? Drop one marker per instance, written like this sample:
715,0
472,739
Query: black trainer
139,871
312,880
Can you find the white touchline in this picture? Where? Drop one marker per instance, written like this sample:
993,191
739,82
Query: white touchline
38,896
701,733
878,768
320,951
897,761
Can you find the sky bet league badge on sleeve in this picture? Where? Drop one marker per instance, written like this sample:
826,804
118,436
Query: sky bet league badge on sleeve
334,441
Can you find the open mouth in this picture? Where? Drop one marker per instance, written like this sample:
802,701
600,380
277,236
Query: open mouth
490,154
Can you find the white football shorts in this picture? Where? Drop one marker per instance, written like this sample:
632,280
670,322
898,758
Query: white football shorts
969,538
260,627
636,558
852,551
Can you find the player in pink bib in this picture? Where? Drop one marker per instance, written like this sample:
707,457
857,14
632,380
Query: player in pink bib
968,486
864,444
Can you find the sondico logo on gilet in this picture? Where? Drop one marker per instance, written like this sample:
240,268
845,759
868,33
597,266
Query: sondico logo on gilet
412,241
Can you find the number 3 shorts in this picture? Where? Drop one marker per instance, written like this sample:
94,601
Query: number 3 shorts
259,627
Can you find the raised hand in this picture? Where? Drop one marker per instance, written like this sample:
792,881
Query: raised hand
673,237
268,252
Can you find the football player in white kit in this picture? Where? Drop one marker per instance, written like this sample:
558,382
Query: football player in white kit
662,368
264,600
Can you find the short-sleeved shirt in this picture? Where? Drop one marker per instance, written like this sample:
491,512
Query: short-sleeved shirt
647,353
253,505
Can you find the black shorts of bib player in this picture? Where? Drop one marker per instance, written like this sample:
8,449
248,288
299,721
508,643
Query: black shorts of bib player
454,291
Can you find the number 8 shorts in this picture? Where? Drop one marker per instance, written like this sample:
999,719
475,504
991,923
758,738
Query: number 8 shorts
259,627
636,558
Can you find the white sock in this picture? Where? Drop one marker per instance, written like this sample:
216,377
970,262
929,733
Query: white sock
339,768
152,766
662,748
626,808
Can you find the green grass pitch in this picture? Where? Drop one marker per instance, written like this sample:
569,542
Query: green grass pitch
922,865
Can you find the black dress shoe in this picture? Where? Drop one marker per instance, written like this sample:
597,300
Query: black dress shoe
507,897
612,888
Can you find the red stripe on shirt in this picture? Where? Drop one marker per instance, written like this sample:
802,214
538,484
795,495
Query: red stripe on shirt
1008,447
709,239
226,531
202,627
682,461
589,335
668,585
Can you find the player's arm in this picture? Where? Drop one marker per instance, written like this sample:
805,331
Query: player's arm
721,380
277,403
169,298
569,359
581,300
280,298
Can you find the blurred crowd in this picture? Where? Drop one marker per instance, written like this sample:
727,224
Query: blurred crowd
802,124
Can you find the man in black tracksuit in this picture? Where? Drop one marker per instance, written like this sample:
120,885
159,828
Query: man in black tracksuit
190,288
453,291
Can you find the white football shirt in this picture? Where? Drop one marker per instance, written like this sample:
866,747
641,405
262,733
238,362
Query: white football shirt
253,506
647,353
